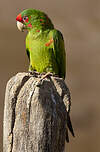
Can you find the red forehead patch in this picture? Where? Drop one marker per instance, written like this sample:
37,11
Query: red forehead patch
19,18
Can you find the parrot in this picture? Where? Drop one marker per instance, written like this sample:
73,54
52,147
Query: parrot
44,45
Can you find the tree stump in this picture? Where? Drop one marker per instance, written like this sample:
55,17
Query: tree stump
35,114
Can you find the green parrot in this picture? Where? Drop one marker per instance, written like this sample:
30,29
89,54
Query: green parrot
44,45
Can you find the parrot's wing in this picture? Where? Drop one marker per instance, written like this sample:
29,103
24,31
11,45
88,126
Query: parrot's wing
27,47
60,55
28,53
59,51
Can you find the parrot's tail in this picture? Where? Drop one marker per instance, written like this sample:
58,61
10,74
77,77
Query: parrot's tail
69,125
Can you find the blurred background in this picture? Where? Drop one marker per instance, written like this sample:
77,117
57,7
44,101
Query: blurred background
79,21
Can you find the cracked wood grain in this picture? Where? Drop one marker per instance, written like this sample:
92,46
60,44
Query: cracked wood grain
35,114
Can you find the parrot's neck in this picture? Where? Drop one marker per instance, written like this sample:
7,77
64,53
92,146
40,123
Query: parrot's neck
37,32
35,29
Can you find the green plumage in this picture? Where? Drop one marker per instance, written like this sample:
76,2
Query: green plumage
44,44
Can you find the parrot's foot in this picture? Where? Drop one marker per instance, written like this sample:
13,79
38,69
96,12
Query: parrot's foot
34,73
44,76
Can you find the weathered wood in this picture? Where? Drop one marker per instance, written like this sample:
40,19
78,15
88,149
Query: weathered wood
35,114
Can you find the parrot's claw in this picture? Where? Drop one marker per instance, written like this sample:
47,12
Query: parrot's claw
34,73
43,76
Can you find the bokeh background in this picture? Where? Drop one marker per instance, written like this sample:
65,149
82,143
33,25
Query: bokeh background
79,21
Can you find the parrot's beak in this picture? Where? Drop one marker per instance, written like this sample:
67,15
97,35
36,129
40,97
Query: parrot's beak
20,26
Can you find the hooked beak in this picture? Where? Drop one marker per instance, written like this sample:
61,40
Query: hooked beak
20,26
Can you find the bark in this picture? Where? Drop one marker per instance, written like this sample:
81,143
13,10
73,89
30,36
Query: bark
35,114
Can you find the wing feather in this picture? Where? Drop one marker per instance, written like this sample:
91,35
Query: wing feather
59,51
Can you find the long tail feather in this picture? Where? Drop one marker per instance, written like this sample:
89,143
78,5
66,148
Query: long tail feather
67,137
69,124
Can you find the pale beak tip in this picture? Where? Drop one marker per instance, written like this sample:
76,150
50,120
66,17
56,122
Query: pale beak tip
20,26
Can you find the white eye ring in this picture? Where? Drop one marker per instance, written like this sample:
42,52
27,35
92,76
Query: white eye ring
25,18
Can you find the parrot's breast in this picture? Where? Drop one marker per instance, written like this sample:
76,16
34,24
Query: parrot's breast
42,58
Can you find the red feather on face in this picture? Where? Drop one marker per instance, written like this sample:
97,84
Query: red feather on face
19,18
27,20
29,25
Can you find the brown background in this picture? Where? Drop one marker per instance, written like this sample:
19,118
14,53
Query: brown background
79,21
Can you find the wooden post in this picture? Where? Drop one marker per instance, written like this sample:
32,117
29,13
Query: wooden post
35,114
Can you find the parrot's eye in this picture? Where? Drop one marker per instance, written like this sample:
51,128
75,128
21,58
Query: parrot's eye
25,18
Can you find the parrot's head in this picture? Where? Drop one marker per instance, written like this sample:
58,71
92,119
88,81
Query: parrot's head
33,19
